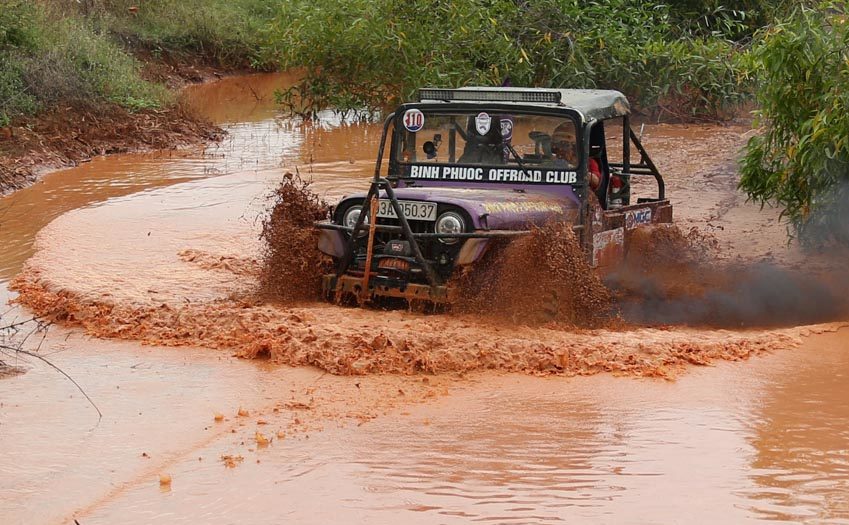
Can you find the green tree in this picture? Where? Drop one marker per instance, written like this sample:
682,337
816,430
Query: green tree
801,160
367,53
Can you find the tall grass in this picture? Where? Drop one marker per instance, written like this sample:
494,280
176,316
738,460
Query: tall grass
46,58
225,32
81,52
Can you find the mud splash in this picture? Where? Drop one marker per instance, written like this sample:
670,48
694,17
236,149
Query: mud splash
560,287
356,341
292,265
541,278
181,266
669,277
194,283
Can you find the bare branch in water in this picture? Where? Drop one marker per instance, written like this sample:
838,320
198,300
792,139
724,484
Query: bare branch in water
13,345
71,379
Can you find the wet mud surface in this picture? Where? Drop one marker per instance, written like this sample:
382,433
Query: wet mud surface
68,137
420,418
177,266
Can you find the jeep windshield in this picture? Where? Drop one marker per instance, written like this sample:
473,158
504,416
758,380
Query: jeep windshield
484,146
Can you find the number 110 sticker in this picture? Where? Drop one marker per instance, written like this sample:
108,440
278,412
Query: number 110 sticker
413,120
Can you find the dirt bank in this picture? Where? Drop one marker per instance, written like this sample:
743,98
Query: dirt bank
63,138
73,134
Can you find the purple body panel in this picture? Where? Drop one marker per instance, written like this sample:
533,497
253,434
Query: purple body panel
494,206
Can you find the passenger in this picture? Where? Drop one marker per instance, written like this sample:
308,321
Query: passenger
565,150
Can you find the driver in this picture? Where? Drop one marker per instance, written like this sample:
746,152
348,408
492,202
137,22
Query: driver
564,147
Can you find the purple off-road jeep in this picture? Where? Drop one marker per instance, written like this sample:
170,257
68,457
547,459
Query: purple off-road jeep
470,165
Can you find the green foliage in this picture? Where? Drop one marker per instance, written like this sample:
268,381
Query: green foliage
737,20
103,68
17,32
18,20
361,53
801,161
14,99
54,51
48,57
78,52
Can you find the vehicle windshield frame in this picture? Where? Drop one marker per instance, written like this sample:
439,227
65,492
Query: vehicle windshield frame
397,166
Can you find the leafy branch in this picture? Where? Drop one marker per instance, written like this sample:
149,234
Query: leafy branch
801,160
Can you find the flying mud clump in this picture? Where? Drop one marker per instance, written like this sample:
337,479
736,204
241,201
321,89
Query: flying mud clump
292,265
541,278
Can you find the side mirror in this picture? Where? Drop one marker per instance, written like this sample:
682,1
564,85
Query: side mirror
429,149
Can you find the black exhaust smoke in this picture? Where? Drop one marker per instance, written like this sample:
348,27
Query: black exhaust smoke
733,296
672,277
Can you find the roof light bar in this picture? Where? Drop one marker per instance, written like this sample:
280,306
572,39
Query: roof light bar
483,95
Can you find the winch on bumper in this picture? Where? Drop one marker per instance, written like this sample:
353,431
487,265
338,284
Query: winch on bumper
394,272
383,262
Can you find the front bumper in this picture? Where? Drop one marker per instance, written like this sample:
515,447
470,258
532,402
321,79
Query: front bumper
333,286
394,273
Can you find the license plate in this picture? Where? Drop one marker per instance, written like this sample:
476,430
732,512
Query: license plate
413,210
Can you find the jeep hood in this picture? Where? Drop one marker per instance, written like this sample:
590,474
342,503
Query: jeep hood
498,208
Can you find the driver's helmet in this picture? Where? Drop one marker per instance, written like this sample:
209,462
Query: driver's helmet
563,142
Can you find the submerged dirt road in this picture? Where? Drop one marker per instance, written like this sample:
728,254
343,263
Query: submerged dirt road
177,266
174,266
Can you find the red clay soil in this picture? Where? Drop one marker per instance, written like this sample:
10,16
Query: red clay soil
177,70
67,136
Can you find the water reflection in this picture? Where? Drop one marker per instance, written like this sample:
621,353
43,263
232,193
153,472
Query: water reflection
801,438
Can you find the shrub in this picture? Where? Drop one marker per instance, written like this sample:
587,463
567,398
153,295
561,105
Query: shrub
18,25
14,97
801,161
227,32
102,69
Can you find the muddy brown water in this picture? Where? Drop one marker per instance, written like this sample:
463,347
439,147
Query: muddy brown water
760,440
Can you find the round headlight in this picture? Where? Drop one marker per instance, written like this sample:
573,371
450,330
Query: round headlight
349,220
450,222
